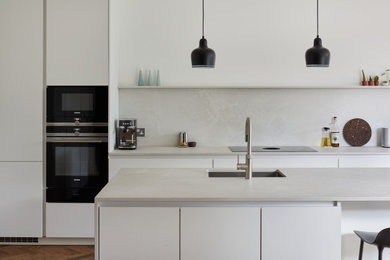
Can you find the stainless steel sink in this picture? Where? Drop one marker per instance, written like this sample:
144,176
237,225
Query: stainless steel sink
270,174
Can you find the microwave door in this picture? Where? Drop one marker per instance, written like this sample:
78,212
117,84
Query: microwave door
77,103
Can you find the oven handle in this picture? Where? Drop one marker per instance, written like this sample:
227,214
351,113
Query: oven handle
76,140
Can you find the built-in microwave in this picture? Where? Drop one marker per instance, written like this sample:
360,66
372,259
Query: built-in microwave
77,104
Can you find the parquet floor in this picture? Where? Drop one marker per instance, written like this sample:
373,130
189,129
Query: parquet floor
36,252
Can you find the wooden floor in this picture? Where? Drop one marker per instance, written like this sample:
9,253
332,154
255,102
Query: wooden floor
46,252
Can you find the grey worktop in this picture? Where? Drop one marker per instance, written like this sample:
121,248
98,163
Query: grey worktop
145,151
300,185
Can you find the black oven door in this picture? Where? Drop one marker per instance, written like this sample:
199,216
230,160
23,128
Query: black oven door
77,103
76,168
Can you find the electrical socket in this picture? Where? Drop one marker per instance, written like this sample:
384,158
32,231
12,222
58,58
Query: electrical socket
141,132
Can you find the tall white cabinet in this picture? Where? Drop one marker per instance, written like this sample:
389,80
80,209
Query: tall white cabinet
77,42
76,54
21,113
21,80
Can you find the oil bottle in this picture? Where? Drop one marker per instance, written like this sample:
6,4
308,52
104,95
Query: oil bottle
325,141
334,133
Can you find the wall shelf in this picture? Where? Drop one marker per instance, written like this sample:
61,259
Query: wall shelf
251,87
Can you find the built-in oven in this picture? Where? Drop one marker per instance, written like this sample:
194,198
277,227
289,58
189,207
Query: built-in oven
76,142
76,168
77,104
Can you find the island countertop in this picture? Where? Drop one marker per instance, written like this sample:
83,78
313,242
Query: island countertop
300,185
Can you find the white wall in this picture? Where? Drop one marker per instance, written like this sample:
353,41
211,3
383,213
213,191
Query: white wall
257,43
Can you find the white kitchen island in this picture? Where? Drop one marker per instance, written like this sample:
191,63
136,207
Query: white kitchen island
173,214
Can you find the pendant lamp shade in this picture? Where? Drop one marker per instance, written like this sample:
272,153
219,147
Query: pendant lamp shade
317,56
203,57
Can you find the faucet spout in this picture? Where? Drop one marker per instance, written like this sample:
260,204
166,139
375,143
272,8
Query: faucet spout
247,166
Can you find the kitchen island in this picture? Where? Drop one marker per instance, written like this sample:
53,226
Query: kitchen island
183,214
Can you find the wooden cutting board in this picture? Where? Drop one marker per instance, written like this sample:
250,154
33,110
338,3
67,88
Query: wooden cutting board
357,132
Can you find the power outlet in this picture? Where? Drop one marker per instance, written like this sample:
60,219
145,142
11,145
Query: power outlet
141,132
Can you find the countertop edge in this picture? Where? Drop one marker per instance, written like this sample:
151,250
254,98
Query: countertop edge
168,151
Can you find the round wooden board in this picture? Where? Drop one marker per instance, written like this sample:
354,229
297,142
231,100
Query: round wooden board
357,132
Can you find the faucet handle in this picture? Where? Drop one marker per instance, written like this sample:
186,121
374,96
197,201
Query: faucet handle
240,166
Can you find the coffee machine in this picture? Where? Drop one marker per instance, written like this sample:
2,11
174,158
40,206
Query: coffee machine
126,134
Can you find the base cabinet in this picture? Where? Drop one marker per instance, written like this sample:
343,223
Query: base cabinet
228,233
70,220
220,233
301,233
138,233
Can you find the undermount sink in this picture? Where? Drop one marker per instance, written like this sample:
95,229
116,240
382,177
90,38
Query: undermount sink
270,174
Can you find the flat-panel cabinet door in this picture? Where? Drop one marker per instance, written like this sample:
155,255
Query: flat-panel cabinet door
77,42
138,233
303,233
370,161
220,233
70,220
281,161
21,199
21,80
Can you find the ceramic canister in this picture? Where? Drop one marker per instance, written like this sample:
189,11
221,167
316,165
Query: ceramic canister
385,140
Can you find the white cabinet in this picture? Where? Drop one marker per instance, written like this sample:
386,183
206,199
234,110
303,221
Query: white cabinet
21,80
70,220
281,161
21,199
220,233
117,163
275,232
77,42
371,161
304,233
138,233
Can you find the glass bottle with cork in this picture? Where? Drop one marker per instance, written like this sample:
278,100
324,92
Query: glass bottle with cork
334,133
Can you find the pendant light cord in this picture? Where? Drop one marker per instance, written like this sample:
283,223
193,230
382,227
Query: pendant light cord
203,18
318,22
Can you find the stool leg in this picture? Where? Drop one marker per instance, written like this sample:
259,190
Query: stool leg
361,249
380,251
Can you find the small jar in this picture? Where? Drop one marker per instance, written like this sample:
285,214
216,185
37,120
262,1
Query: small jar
325,141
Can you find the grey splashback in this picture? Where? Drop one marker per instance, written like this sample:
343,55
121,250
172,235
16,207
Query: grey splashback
216,117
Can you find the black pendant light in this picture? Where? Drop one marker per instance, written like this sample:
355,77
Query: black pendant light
203,57
317,56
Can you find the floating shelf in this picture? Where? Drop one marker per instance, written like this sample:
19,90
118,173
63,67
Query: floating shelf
251,87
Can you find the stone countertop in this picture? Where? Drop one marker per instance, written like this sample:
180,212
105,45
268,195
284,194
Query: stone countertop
300,185
146,151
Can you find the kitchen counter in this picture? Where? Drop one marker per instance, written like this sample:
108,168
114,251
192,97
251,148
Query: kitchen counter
146,151
300,185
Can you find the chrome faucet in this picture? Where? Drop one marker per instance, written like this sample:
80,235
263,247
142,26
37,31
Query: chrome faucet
247,166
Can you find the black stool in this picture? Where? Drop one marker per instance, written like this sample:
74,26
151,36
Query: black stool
380,239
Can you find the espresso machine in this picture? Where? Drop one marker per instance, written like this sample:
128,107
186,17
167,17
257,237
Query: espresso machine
126,134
